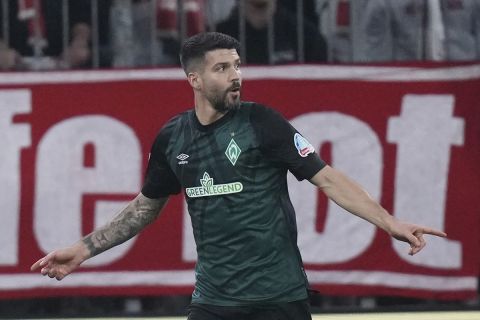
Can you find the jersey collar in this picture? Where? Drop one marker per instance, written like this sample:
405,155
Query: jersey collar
212,125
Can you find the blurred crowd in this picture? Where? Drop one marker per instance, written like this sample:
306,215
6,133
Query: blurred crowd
83,34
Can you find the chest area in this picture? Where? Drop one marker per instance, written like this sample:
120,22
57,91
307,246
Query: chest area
226,154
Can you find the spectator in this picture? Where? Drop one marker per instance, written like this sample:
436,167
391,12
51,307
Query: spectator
35,35
218,11
373,30
308,9
133,41
146,33
461,19
410,30
258,15
334,24
388,30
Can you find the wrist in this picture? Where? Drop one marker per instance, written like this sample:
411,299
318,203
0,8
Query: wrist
83,251
388,223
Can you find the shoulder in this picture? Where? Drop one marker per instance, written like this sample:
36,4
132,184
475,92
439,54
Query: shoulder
263,114
166,132
176,120
269,125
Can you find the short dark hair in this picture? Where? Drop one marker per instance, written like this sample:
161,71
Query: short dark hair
195,47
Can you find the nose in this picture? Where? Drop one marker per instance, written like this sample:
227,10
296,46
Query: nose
235,75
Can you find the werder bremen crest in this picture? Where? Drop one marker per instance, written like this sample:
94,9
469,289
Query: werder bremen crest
208,188
233,151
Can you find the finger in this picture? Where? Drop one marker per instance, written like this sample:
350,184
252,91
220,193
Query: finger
45,261
36,265
420,247
40,263
53,272
423,243
412,240
413,249
434,232
44,271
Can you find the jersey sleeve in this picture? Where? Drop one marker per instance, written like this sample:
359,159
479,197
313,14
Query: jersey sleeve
160,180
283,144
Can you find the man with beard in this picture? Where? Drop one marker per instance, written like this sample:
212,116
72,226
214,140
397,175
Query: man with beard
231,158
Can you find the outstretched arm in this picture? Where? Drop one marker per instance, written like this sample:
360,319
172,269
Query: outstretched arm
140,212
353,198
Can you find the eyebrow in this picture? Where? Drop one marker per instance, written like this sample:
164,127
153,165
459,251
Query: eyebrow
237,61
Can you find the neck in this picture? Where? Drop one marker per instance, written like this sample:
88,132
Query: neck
206,113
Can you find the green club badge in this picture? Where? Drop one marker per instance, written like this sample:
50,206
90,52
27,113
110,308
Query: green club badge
233,152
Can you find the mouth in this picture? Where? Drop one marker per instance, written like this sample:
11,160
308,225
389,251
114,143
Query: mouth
234,89
235,92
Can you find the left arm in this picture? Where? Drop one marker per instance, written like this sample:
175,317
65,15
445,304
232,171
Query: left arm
353,198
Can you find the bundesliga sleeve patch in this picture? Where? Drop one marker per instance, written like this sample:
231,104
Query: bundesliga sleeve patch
304,147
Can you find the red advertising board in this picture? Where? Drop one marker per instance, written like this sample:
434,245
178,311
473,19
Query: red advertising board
75,146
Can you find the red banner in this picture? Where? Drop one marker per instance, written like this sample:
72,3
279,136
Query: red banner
75,146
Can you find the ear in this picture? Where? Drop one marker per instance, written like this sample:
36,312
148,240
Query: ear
194,80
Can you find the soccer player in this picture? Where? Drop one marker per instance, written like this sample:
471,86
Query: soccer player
231,159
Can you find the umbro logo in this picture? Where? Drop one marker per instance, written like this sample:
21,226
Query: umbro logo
182,157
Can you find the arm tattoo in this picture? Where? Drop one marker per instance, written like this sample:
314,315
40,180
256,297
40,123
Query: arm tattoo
139,213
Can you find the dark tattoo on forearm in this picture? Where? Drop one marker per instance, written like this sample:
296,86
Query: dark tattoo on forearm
130,221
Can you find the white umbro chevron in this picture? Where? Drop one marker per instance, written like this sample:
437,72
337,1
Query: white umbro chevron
182,156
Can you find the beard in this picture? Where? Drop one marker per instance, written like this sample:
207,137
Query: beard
221,100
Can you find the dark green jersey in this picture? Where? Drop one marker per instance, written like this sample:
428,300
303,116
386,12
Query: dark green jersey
234,176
